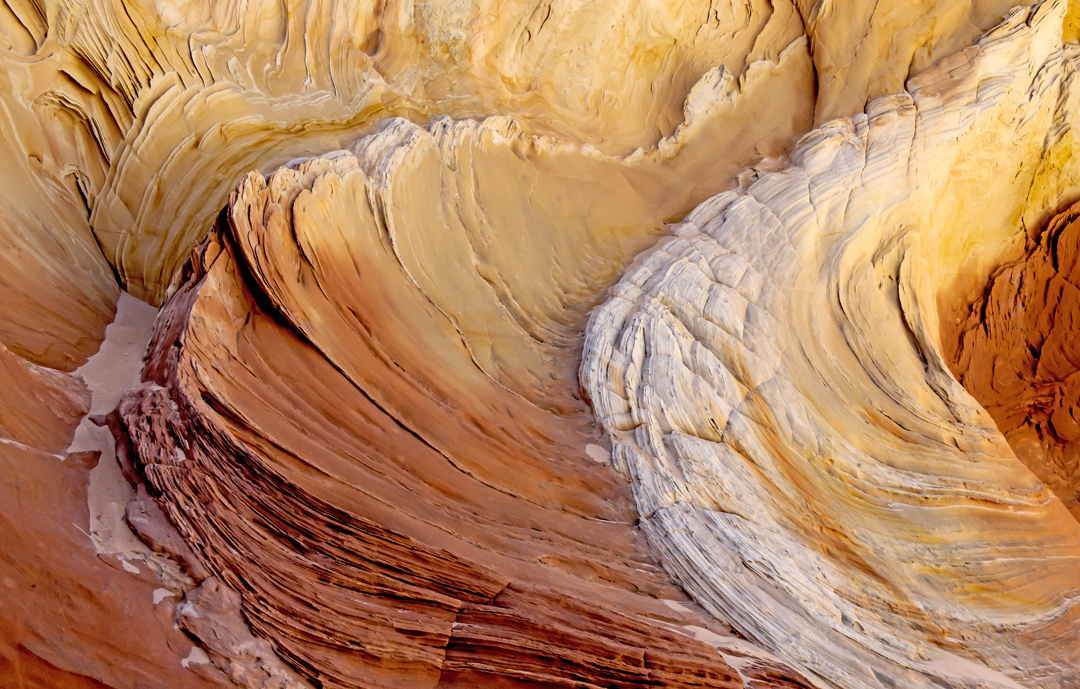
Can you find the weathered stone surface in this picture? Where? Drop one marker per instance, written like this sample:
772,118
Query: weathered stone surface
1018,354
774,386
69,618
390,513
359,454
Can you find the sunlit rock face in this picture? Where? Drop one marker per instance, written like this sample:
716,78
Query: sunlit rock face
773,384
414,505
520,344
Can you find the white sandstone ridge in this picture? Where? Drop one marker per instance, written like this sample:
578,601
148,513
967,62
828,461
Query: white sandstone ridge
772,383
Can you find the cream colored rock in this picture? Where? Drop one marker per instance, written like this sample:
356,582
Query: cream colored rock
144,114
433,194
863,51
772,383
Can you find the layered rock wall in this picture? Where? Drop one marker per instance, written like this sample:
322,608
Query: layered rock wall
1017,355
773,383
361,452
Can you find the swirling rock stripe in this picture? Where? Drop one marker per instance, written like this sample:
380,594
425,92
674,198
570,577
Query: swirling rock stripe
774,387
353,522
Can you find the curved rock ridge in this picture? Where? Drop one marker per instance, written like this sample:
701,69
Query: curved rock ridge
1017,355
414,505
361,436
129,122
772,381
126,122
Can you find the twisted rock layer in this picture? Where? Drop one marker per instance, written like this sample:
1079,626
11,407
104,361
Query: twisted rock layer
360,406
391,509
773,384
125,123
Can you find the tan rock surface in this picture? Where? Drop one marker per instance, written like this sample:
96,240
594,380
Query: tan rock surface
361,455
143,115
394,515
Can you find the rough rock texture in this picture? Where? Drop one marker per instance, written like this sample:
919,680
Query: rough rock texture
211,613
137,118
359,455
773,384
126,122
69,619
1019,355
390,513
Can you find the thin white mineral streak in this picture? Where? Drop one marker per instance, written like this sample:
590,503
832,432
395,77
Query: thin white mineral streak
773,387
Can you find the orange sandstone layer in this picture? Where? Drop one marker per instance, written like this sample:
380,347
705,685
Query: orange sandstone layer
70,620
439,424
1018,353
391,515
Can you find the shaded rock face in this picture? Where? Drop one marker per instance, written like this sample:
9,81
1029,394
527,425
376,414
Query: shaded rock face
1018,354
69,618
527,344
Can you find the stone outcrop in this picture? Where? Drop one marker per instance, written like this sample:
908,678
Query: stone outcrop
447,389
70,619
773,382
389,511
1017,353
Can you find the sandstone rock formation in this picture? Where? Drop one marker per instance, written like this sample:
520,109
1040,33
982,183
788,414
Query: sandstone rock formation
774,386
1017,355
358,451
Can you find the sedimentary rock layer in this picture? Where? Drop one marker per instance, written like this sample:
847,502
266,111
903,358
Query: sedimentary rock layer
360,409
390,513
773,384
1017,353
125,124
69,620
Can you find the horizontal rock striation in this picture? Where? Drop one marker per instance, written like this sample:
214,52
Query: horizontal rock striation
773,384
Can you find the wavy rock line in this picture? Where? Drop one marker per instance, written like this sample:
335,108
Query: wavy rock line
125,123
411,505
129,122
772,382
